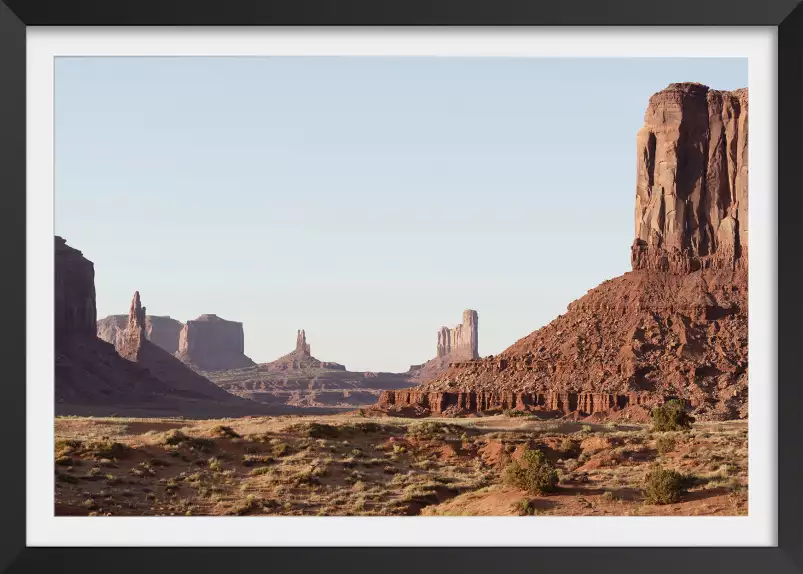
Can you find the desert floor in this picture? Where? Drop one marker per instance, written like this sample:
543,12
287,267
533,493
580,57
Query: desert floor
350,465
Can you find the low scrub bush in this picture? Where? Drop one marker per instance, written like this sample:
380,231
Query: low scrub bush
432,429
665,444
526,507
365,427
254,459
177,438
671,416
316,430
224,431
531,473
516,413
663,486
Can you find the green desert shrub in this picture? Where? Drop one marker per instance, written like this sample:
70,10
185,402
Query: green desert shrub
663,486
526,507
177,438
531,473
316,430
365,427
671,416
665,444
516,413
432,429
225,431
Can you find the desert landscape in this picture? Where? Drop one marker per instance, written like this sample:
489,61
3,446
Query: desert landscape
633,402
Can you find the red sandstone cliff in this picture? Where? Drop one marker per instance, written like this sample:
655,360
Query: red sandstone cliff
691,187
674,326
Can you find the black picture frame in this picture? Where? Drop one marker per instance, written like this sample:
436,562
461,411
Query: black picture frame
786,15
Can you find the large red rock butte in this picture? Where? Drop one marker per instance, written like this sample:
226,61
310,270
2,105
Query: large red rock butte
210,343
676,325
691,187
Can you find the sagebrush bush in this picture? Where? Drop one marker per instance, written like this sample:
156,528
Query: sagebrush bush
365,427
671,416
432,429
665,444
663,486
316,430
226,431
516,413
526,507
532,473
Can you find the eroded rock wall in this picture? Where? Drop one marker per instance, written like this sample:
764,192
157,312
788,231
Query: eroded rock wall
75,310
691,187
469,402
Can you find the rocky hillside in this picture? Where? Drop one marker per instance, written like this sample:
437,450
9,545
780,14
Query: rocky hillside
674,326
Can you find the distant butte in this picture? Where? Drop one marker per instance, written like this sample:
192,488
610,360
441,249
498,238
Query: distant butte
457,344
210,343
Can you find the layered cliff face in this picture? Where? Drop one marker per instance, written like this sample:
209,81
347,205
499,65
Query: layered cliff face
74,293
691,190
162,331
210,343
455,403
676,326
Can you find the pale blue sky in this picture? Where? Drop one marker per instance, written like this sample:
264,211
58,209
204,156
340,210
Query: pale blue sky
366,200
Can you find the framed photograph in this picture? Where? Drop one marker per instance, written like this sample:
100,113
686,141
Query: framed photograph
363,286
